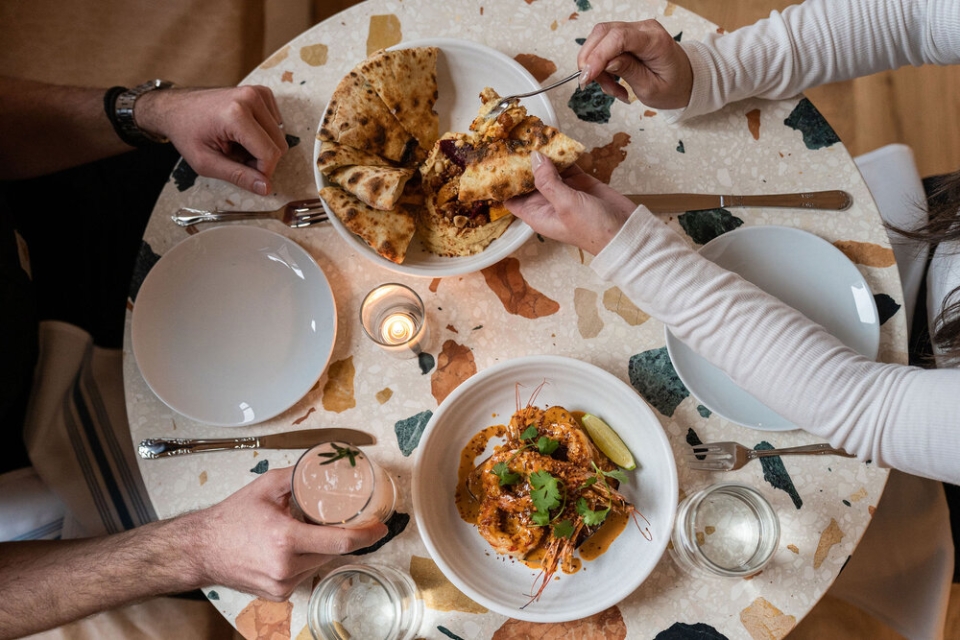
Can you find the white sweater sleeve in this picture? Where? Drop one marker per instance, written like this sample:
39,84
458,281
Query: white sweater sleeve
817,42
895,415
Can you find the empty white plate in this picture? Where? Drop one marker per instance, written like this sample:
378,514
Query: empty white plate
233,325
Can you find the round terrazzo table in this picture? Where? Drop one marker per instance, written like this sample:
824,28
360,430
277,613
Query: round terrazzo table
755,146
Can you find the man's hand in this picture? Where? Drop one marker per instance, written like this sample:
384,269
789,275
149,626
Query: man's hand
230,134
654,64
250,542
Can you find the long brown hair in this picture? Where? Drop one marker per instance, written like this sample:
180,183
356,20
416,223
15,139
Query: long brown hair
943,226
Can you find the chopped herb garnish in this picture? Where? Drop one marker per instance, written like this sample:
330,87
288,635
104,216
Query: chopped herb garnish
502,471
339,453
590,517
546,445
545,495
563,529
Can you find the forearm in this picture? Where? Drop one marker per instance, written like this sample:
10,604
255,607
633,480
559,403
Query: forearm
817,42
892,414
44,584
46,128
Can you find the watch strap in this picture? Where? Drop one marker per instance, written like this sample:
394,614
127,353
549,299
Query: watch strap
119,103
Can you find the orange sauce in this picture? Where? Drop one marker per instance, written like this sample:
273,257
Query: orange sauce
467,507
598,544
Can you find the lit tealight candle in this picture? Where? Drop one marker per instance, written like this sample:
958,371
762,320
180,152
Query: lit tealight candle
397,328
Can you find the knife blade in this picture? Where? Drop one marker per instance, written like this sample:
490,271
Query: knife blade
681,202
303,439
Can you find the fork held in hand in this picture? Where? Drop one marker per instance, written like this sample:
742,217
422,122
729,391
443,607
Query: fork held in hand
503,103
299,213
729,456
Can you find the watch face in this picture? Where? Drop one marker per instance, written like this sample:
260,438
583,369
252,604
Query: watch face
126,125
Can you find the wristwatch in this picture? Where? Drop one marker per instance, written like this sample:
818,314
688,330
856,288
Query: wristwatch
123,119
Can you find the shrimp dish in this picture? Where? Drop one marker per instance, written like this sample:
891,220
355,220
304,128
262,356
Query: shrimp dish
543,493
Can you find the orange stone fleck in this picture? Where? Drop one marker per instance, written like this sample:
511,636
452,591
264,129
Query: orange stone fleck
454,365
276,58
338,390
287,76
437,592
753,123
589,323
517,296
763,621
866,253
539,68
384,32
606,625
828,538
601,161
265,620
314,55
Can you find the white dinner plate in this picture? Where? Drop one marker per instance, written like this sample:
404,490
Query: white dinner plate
464,68
804,271
233,325
503,584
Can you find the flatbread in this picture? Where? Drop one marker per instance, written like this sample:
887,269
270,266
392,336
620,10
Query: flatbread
334,155
502,169
378,187
406,81
358,118
387,232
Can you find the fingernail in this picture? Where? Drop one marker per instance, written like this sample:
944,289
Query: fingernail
584,74
260,187
536,159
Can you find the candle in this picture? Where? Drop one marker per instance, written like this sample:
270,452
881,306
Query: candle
393,317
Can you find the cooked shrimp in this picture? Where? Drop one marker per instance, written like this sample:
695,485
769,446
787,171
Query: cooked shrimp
506,525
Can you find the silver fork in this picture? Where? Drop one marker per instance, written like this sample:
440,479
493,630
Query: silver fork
502,105
297,214
729,456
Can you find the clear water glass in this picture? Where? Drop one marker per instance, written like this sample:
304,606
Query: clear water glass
372,602
727,529
393,316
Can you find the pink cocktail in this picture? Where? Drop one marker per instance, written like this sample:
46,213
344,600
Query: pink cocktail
337,484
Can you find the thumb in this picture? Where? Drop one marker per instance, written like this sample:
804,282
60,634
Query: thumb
547,179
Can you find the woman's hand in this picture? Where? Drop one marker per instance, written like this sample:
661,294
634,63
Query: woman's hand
645,55
577,208
231,134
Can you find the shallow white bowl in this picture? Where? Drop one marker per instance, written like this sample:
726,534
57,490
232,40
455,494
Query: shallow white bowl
233,325
503,584
464,68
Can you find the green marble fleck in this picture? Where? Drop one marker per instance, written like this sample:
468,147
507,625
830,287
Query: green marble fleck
213,595
580,41
681,148
183,175
583,5
678,37
887,307
776,474
703,411
704,226
427,362
817,132
846,502
262,467
688,631
693,438
591,104
395,526
448,633
292,141
653,376
409,431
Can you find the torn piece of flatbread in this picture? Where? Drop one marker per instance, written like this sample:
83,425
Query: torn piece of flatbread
358,118
387,232
406,81
334,155
378,187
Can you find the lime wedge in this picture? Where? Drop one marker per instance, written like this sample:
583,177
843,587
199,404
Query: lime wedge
608,441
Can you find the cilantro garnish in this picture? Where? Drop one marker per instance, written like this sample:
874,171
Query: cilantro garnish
502,471
591,518
563,529
545,495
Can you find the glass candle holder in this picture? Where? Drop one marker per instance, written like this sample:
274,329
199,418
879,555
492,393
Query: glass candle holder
393,316
373,602
335,483
727,529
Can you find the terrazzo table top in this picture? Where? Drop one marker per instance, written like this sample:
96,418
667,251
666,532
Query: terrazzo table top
543,299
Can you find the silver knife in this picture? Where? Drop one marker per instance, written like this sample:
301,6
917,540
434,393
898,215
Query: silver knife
680,202
303,439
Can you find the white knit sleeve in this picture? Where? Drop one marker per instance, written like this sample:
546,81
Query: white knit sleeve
895,415
817,42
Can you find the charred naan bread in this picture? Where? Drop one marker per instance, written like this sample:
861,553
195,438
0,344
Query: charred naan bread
378,187
406,81
467,176
387,232
358,118
334,155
